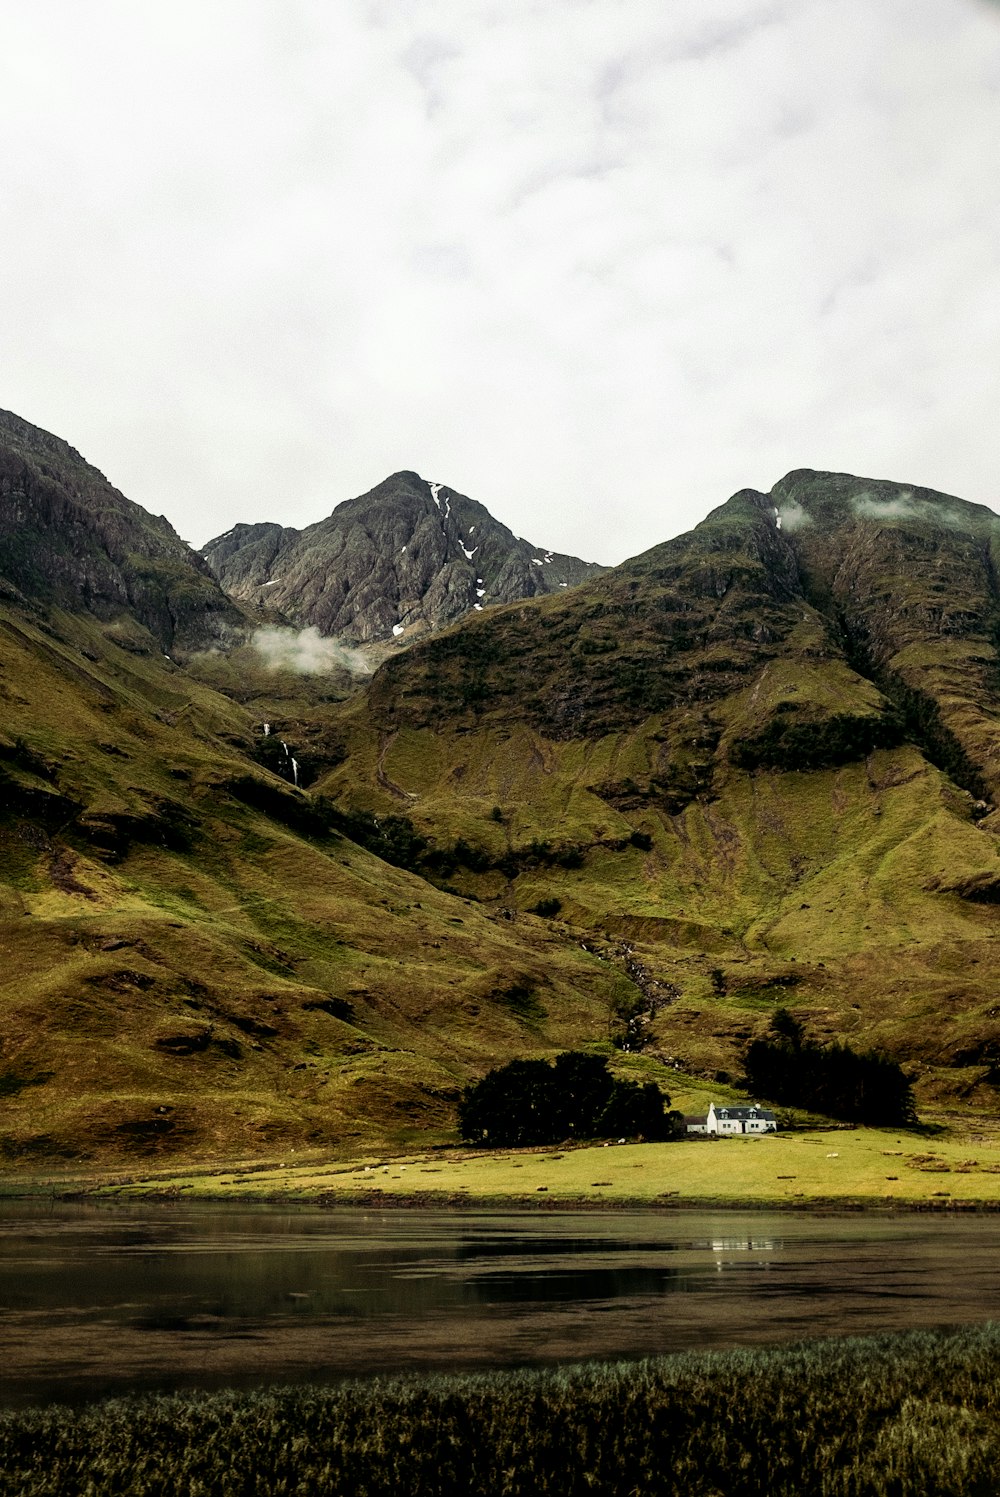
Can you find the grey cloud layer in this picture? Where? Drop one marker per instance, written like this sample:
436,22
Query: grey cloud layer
603,263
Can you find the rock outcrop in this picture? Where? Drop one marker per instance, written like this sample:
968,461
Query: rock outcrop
68,538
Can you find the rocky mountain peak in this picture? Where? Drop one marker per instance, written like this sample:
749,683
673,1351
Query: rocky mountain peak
409,556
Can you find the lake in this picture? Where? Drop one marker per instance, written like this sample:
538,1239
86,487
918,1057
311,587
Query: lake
107,1298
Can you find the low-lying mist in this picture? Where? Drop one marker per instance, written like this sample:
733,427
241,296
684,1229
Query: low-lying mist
306,651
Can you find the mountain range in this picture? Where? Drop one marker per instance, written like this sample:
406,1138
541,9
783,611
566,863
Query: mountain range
252,901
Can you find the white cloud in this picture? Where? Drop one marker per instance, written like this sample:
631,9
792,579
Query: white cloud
907,506
596,266
306,651
793,517
904,507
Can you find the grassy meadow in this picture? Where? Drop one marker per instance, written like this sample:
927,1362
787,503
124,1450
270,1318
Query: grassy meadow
874,1168
915,1415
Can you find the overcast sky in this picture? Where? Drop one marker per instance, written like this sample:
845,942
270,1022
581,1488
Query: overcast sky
596,263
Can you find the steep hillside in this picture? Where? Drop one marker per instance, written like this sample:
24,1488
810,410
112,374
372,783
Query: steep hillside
194,959
754,766
406,557
68,538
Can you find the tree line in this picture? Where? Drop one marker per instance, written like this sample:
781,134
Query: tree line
854,1086
529,1103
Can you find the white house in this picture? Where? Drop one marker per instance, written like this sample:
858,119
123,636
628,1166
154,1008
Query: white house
753,1119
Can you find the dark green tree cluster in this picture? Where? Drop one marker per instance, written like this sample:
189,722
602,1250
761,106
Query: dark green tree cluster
857,1087
397,840
925,726
530,1102
548,908
788,744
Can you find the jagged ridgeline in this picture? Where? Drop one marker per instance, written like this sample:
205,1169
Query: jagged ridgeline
406,557
247,904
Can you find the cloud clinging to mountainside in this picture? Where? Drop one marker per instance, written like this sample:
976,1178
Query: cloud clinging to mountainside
306,652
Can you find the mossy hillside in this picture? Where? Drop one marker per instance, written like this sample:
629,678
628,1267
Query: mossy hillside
866,839
580,755
697,619
911,577
187,972
850,848
839,873
281,1033
607,653
71,688
298,707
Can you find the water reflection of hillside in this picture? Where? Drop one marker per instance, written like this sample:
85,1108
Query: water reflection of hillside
567,1285
98,1299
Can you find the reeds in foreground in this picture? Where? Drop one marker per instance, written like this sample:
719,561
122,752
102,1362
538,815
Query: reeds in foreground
913,1415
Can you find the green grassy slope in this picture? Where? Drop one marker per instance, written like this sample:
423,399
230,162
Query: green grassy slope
758,766
753,767
194,961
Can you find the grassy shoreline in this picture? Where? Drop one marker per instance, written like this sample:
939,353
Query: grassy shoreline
825,1169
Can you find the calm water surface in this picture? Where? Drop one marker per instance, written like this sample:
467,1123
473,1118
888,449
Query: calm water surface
97,1299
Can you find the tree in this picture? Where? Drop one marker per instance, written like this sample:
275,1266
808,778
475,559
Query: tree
582,1087
530,1102
635,1111
857,1086
787,1026
511,1106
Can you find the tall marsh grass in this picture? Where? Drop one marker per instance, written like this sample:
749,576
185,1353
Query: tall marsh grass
915,1415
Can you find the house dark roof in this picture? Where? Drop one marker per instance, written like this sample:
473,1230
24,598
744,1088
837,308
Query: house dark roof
742,1114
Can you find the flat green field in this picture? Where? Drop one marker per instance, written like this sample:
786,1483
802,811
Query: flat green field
879,1168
